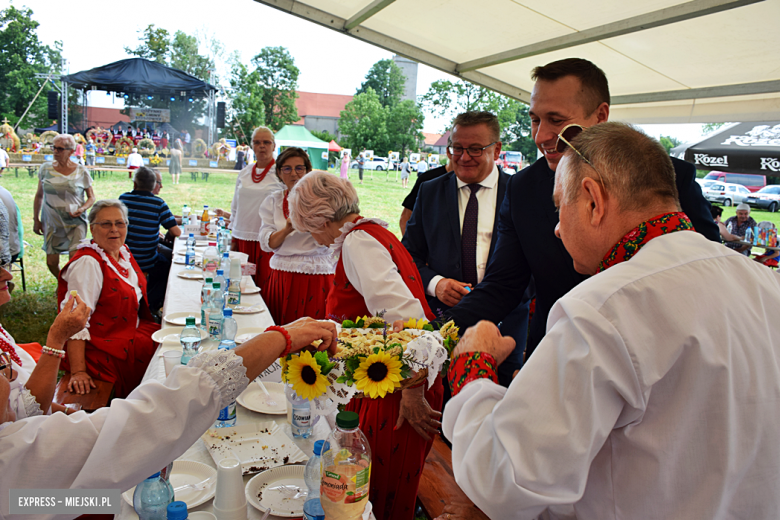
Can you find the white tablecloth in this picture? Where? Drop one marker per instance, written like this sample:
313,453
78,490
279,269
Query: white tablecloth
184,295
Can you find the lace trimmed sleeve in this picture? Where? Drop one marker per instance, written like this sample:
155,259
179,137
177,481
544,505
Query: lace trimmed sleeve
31,406
227,370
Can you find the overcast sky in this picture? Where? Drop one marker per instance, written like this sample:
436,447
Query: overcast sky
94,34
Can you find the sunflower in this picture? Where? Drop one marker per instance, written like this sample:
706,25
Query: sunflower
378,374
415,324
283,362
305,376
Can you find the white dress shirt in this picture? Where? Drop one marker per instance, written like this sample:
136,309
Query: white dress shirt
299,253
371,271
655,394
487,197
245,218
135,159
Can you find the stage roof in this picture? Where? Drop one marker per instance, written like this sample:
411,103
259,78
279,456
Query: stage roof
667,61
139,76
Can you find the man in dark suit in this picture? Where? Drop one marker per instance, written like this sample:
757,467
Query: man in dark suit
570,91
452,232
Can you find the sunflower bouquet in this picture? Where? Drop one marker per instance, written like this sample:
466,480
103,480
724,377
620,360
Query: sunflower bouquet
371,360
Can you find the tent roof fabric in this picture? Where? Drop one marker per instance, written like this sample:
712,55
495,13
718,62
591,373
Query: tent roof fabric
297,135
668,61
741,148
137,75
333,146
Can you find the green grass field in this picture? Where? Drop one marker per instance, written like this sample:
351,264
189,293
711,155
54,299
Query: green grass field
28,316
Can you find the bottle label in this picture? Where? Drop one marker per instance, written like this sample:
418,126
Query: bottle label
348,483
190,259
301,418
228,413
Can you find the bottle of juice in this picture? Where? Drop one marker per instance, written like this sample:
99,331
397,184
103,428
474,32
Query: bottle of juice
346,470
204,222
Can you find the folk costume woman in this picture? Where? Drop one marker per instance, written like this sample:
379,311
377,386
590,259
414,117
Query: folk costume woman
375,273
301,269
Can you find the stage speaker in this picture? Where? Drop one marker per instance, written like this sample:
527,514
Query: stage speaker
221,114
54,105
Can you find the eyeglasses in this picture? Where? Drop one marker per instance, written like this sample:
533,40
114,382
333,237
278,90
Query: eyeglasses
473,151
300,170
567,135
60,148
107,224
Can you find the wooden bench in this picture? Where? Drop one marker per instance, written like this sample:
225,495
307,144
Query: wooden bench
438,487
96,398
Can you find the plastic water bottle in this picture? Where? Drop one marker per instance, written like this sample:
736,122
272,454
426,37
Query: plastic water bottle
210,259
189,257
227,416
190,340
224,264
346,463
177,510
151,498
234,290
185,215
226,240
215,313
301,413
312,474
205,297
220,279
749,234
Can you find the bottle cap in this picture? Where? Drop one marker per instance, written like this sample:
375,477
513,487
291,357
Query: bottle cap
220,272
190,321
318,447
209,279
177,510
225,255
192,235
228,312
348,420
216,285
156,475
212,244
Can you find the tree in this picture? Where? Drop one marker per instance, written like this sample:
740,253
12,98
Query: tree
324,135
277,75
154,45
711,127
669,142
246,109
185,57
404,126
522,141
22,56
363,123
387,79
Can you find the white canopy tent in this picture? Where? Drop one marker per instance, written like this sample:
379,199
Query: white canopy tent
667,62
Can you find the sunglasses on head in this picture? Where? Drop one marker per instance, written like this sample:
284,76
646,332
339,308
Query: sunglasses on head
565,138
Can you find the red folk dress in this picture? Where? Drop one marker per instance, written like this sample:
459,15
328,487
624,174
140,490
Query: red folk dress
398,456
120,328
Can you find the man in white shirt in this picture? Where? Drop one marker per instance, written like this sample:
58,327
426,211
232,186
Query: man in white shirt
422,167
134,161
636,404
3,160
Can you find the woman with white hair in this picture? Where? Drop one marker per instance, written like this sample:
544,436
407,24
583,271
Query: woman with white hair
253,184
116,346
375,273
64,195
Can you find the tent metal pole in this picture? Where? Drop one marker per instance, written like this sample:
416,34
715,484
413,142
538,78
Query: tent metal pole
64,100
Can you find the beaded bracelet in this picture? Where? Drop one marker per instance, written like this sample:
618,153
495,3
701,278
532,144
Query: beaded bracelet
53,352
277,328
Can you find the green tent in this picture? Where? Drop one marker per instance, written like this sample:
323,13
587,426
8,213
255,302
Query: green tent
298,135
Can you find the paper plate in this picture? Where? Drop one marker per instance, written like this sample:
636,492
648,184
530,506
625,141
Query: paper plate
262,491
190,275
188,472
253,398
240,309
250,290
171,335
180,318
245,334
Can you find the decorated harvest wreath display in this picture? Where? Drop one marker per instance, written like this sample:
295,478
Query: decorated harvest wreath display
372,360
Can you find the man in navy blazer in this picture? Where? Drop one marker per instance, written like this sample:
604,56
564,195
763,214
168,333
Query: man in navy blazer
435,232
569,91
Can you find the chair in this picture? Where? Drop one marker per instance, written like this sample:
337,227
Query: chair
18,264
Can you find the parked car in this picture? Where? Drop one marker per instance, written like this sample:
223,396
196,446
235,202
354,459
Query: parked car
726,193
704,183
510,161
750,181
379,164
767,197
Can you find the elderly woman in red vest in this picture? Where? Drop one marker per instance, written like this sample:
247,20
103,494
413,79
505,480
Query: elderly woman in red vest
374,273
116,346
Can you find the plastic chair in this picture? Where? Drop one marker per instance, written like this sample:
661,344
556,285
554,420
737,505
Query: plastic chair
18,264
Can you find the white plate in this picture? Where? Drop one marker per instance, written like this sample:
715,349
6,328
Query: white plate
240,309
180,318
187,472
259,446
247,333
266,485
190,275
250,290
253,398
171,335
181,260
